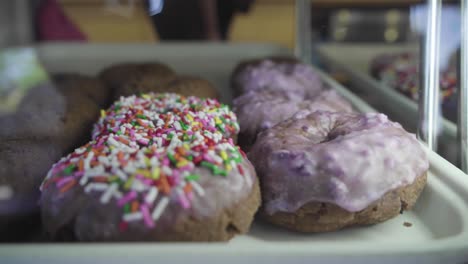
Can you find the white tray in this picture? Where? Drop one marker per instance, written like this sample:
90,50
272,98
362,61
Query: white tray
354,60
439,231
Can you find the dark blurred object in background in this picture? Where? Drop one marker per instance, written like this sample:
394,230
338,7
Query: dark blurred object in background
197,20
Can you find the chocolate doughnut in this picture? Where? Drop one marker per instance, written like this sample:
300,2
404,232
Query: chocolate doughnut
135,78
191,86
325,171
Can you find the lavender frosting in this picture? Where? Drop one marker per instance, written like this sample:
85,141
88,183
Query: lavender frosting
347,159
295,78
257,111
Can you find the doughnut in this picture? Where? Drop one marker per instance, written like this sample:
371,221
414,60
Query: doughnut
286,75
77,85
400,72
154,114
271,108
133,78
324,171
191,86
116,189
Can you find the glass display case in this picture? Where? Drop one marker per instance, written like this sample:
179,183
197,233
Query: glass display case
293,131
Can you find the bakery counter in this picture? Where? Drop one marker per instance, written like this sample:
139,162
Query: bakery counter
435,231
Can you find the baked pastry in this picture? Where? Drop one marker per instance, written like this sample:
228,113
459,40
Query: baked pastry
270,108
192,185
74,85
134,78
401,72
191,86
53,119
281,74
325,171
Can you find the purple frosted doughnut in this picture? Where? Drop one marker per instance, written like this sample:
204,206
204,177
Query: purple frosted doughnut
291,77
345,159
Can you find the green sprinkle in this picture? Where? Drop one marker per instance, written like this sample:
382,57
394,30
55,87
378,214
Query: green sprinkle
127,208
171,158
141,116
220,172
208,165
119,132
69,169
150,142
170,136
129,182
134,123
220,127
192,177
190,157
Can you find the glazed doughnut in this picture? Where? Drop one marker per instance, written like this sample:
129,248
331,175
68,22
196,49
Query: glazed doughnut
324,171
271,108
285,75
153,115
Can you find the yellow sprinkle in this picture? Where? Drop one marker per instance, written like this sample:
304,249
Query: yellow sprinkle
224,155
189,116
155,173
113,178
228,167
144,173
129,182
103,113
111,147
145,96
182,163
147,161
186,146
217,120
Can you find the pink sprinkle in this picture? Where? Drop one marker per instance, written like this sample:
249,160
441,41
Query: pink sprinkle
230,141
190,196
204,122
143,141
63,181
147,181
132,133
130,196
78,174
146,216
140,177
208,158
191,133
183,201
166,162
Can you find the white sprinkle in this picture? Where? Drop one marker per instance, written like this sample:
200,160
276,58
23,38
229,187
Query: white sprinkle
197,188
151,196
109,193
113,142
117,194
160,208
177,126
6,192
87,160
167,171
138,186
132,217
80,150
103,160
96,187
83,180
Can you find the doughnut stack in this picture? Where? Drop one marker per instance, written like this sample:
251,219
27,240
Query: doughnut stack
160,167
271,90
400,72
321,166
